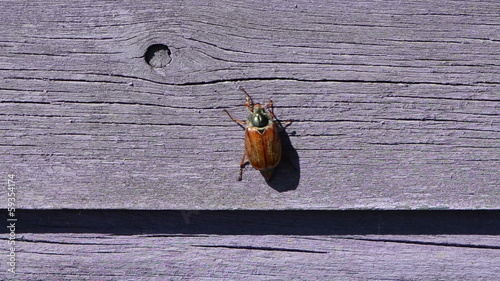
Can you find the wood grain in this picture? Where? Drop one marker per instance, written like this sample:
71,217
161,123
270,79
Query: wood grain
395,105
256,245
153,257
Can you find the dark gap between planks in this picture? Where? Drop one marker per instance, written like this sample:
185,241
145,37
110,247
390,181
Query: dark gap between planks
293,222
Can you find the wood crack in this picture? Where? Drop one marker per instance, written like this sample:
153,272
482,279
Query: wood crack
260,248
426,243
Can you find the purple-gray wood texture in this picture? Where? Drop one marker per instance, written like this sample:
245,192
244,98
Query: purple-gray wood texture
396,105
253,245
160,257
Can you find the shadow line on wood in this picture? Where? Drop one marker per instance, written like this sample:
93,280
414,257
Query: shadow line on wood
293,222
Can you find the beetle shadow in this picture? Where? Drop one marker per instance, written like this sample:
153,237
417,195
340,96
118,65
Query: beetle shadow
287,175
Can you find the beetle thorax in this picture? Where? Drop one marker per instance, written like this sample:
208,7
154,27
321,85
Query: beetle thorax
259,117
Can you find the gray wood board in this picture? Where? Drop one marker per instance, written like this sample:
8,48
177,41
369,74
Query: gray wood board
270,257
256,245
395,105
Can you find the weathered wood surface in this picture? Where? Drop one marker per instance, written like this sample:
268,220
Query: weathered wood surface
297,245
198,257
396,104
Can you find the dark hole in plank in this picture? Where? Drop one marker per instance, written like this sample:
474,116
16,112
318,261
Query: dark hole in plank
158,55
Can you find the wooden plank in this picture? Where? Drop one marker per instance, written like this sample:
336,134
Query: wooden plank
297,245
395,106
151,257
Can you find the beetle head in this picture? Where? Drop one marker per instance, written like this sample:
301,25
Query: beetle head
259,117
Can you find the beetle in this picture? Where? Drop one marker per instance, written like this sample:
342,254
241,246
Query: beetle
262,140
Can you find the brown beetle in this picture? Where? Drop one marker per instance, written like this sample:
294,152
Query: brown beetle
262,141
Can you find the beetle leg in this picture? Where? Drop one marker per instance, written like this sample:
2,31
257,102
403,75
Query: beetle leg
242,166
249,102
287,123
243,123
280,126
270,108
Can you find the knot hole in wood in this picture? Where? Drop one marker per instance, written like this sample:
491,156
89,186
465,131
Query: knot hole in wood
158,55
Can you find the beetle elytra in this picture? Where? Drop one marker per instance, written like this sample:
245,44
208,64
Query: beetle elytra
262,141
